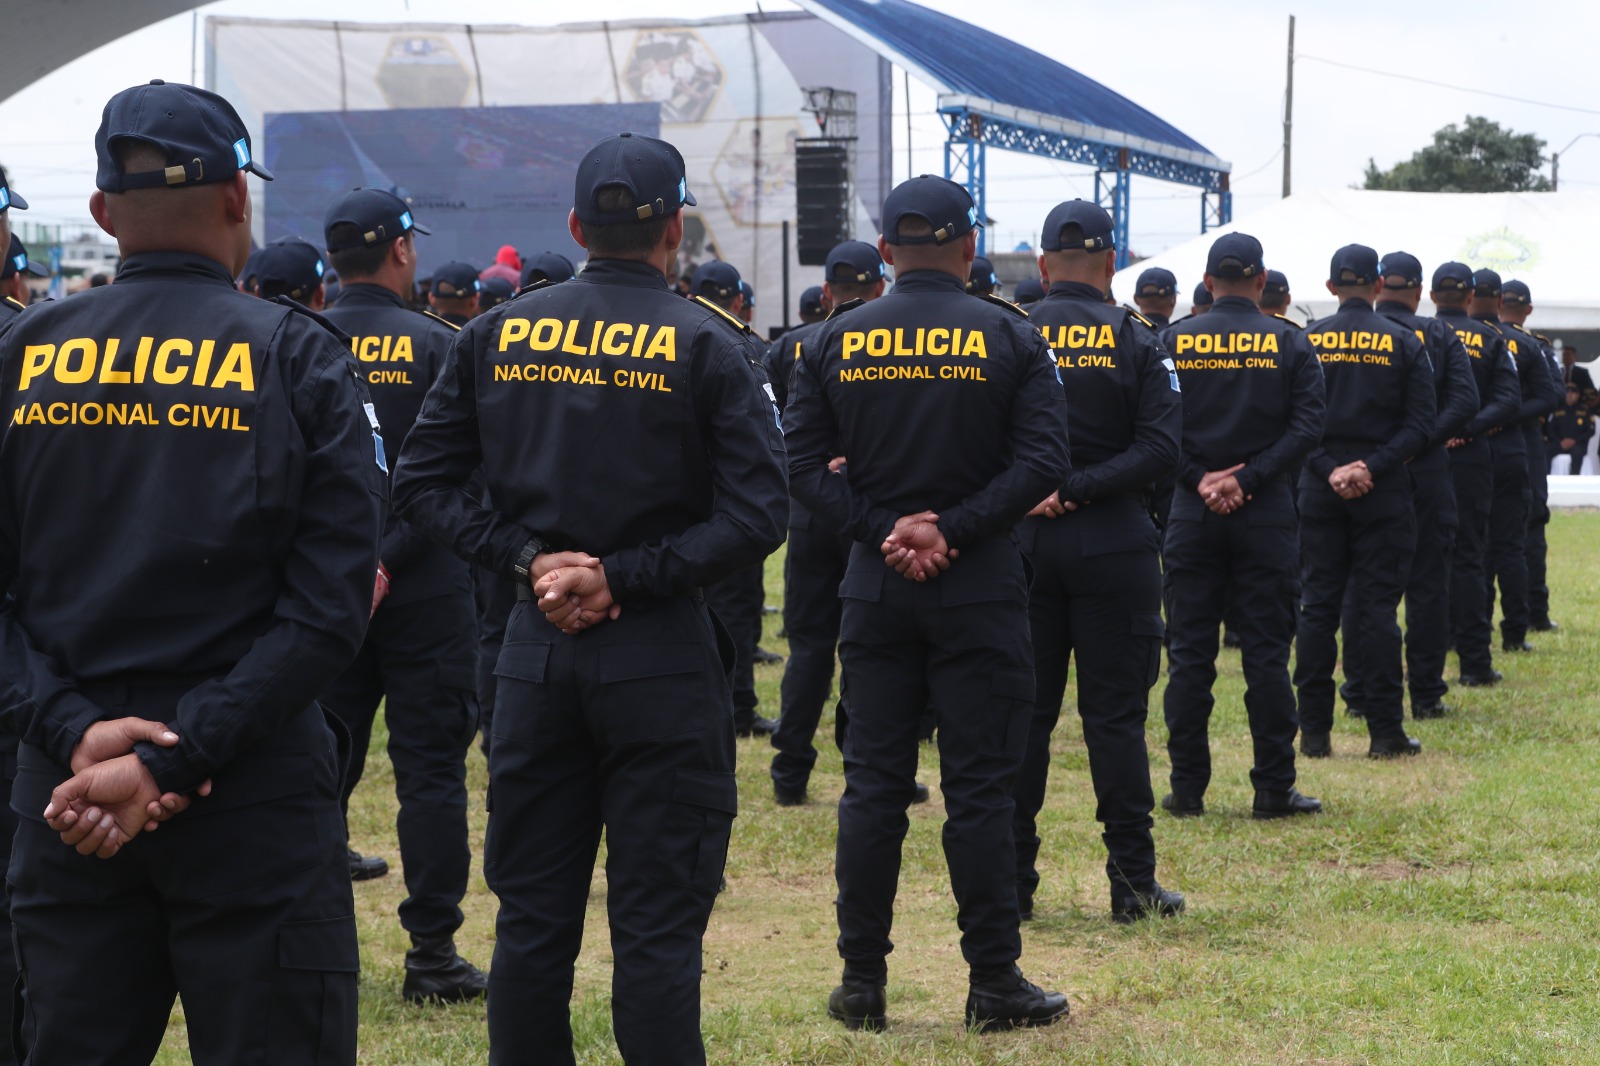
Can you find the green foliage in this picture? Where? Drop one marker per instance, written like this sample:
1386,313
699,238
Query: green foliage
1481,156
1443,911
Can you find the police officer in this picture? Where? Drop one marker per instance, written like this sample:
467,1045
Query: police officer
1203,299
1472,470
981,278
1515,307
815,563
547,266
493,293
950,443
1513,491
747,310
16,271
1028,291
618,715
1096,593
453,292
211,570
1571,427
1252,409
418,656
291,267
1156,296
1275,295
813,305
1358,525
737,599
1427,594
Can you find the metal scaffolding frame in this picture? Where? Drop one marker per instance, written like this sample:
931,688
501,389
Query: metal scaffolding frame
975,126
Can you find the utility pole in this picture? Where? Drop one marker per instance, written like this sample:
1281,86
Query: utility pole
1288,111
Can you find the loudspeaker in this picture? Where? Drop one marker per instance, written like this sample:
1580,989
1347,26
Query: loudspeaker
822,195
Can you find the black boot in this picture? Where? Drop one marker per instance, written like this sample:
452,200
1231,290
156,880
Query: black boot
1287,804
1316,745
434,971
365,867
1156,903
859,1002
1007,1000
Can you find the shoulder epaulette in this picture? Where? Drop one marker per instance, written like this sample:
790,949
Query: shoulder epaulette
1286,318
1137,317
728,316
839,309
443,322
302,309
533,286
1001,301
1542,337
15,305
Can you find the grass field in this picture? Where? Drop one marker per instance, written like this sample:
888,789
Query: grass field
1444,910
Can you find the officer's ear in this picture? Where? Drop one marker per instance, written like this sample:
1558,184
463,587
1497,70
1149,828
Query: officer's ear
1210,283
97,209
877,289
1044,270
885,250
1332,288
236,199
969,246
402,252
575,228
675,233
1111,262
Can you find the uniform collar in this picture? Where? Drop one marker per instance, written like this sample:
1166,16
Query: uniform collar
623,272
150,266
1234,303
363,292
1492,319
928,281
1449,312
1075,290
1393,307
1355,303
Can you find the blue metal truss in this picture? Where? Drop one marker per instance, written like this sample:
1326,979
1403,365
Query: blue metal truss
972,131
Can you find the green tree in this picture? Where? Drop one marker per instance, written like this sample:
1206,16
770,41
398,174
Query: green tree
1481,156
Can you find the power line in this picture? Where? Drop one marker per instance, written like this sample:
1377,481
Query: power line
1446,85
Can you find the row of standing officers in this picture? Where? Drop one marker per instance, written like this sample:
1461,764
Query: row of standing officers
604,450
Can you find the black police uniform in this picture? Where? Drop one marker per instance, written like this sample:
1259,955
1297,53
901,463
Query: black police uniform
1574,423
418,658
221,585
1096,593
1381,410
1512,502
967,420
1252,394
1533,432
609,416
9,730
1472,473
1427,596
814,565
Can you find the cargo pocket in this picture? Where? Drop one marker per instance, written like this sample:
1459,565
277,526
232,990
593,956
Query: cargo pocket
1012,694
651,691
521,664
693,846
313,1006
1149,629
461,679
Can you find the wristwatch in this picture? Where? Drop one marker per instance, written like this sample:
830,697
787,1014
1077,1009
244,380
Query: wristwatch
525,557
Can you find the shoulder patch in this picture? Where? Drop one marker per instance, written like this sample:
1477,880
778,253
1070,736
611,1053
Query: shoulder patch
1286,318
453,327
1001,301
302,309
848,305
727,316
534,286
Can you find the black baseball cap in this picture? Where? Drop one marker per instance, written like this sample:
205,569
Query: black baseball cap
1277,284
494,292
378,214
292,265
716,278
1516,292
1157,281
547,266
1354,264
1486,283
981,275
1028,290
8,198
1234,256
455,280
855,261
1202,295
1452,277
1089,218
939,202
17,261
749,293
650,169
199,132
1400,270
811,301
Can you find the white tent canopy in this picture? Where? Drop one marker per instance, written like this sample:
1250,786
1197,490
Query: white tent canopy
1544,239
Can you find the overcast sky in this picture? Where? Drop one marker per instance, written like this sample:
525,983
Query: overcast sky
1216,71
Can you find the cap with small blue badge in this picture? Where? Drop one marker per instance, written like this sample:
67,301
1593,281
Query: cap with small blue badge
199,132
1077,225
378,215
651,170
946,207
